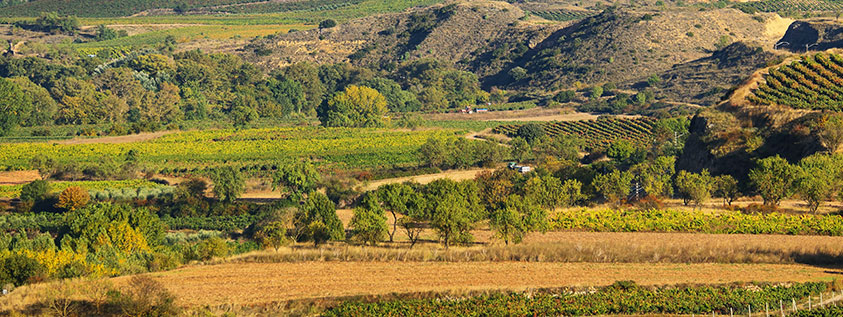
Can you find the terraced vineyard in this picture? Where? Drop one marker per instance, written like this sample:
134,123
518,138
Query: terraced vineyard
596,134
812,83
789,7
563,15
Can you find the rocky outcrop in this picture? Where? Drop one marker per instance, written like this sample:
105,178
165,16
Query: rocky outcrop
802,36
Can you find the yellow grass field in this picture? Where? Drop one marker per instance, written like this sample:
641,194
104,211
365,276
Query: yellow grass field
263,283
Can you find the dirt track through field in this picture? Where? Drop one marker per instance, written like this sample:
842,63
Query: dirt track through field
118,139
457,175
18,177
259,283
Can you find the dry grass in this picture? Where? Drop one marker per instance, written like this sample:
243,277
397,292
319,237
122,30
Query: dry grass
594,247
262,283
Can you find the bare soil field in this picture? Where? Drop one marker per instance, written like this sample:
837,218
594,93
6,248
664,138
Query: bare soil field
18,177
457,175
118,139
263,283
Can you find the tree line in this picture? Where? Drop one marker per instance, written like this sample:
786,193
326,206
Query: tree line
152,88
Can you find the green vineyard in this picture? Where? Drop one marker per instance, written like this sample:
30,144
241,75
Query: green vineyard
562,15
595,134
787,7
105,8
812,83
248,150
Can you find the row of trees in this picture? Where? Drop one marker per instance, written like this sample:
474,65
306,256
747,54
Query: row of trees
154,87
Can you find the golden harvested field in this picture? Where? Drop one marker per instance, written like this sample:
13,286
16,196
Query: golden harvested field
263,283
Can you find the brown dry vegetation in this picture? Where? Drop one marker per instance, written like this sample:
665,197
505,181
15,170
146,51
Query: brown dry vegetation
596,247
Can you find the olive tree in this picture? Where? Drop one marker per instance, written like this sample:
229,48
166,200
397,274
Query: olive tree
516,217
228,184
453,208
694,187
296,179
369,222
818,180
613,186
316,220
774,178
726,187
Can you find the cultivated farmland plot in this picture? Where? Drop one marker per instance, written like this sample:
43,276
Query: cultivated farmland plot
598,133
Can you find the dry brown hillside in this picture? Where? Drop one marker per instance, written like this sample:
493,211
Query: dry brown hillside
451,33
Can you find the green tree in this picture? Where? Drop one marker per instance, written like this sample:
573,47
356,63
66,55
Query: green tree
596,92
830,131
531,132
228,184
43,106
356,106
613,186
395,199
316,220
13,105
620,150
19,269
818,180
112,225
53,22
453,208
516,217
307,76
726,187
774,178
327,24
520,149
296,179
436,152
397,99
104,33
655,175
368,223
35,191
550,192
694,187
289,95
273,234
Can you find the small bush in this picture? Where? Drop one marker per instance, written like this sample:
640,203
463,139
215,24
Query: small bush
73,198
144,297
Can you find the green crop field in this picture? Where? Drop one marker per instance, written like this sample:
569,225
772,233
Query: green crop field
105,8
337,148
